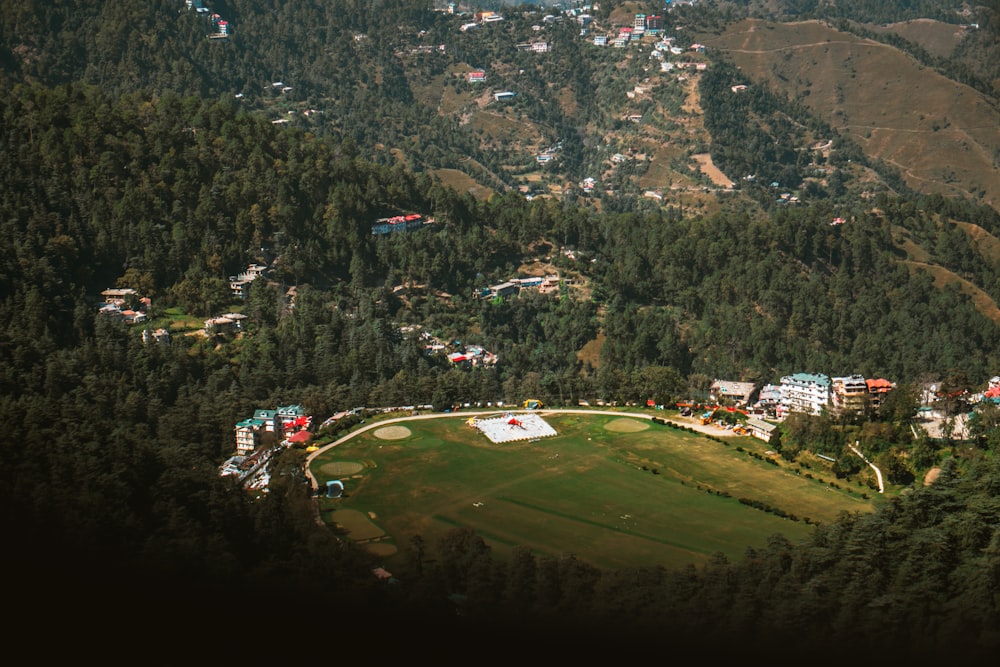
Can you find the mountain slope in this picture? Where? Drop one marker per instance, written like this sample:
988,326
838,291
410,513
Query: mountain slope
942,136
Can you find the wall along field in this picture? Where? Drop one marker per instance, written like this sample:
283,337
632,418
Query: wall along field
615,491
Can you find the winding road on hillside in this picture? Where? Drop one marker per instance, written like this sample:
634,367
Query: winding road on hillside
707,429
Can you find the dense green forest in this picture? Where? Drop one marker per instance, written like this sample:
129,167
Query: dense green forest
127,161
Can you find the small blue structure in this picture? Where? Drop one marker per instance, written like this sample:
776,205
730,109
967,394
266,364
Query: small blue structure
334,488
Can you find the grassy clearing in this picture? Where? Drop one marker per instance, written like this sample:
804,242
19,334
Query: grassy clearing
175,320
591,491
462,182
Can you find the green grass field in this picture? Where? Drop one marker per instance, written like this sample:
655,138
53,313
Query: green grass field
590,491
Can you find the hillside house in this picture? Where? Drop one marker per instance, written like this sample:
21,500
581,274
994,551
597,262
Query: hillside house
292,418
476,76
877,390
238,284
398,223
550,284
501,290
850,394
760,429
119,296
158,336
540,46
225,324
504,96
248,434
805,392
133,316
769,401
739,393
637,91
600,40
267,417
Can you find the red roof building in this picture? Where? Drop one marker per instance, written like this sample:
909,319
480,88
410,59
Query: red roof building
300,437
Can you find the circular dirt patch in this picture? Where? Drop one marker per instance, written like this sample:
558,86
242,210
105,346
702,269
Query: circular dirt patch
341,468
392,432
626,425
381,548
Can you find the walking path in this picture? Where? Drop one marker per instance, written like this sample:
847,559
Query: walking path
878,473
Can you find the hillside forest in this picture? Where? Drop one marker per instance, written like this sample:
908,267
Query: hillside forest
136,153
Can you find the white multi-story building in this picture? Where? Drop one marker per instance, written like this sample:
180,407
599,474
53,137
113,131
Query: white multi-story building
805,392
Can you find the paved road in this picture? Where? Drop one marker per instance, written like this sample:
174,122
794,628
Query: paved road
381,423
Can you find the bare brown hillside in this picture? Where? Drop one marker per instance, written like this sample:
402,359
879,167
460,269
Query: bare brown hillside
987,244
936,37
943,137
943,278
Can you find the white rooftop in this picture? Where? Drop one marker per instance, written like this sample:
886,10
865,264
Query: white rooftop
511,427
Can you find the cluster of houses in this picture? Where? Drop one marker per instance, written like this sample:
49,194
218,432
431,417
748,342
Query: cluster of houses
643,25
465,356
808,393
260,438
512,287
814,393
220,26
124,304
